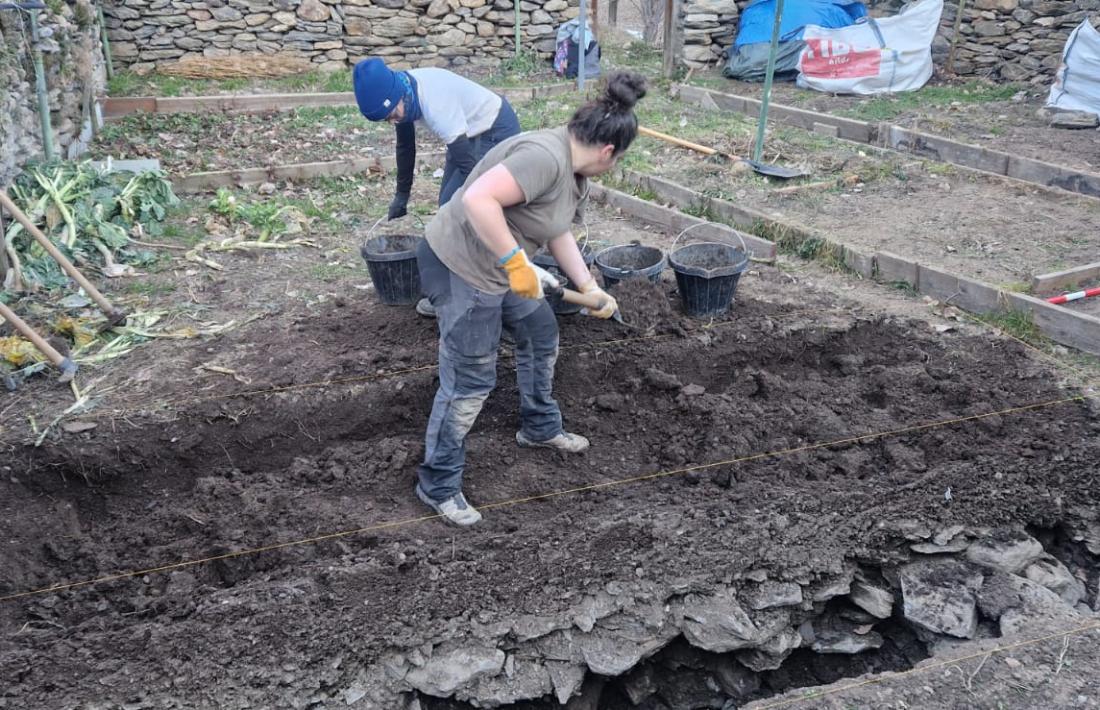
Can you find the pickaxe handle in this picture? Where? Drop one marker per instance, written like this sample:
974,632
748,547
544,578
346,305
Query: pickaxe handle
67,366
114,315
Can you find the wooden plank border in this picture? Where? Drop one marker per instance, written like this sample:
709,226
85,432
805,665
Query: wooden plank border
200,182
907,140
1060,324
1061,280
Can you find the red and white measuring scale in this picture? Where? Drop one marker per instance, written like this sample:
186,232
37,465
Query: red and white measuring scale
1075,296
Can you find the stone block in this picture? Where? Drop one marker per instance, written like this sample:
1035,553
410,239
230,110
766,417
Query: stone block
313,11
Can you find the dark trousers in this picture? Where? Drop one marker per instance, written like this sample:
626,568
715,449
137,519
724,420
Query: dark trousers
470,323
505,126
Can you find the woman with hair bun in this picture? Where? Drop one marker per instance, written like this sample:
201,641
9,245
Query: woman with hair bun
475,268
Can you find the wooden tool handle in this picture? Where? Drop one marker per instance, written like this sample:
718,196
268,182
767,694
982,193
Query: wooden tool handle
676,141
27,332
65,264
593,301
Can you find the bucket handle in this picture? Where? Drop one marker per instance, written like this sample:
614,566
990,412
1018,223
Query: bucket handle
744,247
584,221
383,218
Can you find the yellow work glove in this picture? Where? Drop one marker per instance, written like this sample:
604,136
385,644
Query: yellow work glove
610,305
522,278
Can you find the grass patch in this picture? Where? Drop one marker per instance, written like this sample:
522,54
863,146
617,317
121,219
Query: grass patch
332,272
149,289
904,286
1018,324
545,113
126,83
1016,287
884,108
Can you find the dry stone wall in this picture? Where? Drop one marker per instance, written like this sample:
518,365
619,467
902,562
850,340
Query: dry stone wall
1009,40
333,33
75,73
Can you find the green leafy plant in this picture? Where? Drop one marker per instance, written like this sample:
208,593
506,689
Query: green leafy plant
88,214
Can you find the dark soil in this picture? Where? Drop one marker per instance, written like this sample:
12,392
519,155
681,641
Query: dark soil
287,626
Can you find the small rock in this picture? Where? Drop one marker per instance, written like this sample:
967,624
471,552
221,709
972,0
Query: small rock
945,536
1075,120
717,623
658,379
734,679
832,589
610,402
692,390
1010,552
957,544
446,672
773,594
940,596
873,599
1053,575
846,643
1012,662
267,188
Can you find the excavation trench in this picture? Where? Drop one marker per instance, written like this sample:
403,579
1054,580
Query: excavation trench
737,502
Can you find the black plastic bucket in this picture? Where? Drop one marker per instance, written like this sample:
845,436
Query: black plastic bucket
630,261
546,260
391,260
707,275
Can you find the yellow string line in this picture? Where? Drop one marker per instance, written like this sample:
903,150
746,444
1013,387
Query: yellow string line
546,496
931,666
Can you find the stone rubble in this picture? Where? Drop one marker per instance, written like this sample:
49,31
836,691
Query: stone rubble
694,647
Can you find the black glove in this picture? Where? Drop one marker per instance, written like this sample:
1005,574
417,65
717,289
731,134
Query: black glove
398,205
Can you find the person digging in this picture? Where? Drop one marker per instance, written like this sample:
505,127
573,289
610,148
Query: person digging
466,116
475,268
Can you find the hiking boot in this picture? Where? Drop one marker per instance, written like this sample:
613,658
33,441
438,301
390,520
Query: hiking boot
425,308
569,443
455,510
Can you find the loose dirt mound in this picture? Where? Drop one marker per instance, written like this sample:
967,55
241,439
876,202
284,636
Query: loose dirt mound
696,410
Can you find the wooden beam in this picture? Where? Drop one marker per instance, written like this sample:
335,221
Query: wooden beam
1063,280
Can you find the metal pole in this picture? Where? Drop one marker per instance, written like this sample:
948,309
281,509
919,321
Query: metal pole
581,49
515,11
759,149
106,43
40,88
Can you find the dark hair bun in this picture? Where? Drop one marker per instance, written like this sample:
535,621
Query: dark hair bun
624,89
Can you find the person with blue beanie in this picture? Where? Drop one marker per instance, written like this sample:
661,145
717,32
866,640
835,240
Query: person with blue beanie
466,116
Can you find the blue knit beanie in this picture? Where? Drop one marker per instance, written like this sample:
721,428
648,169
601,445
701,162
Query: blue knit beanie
377,89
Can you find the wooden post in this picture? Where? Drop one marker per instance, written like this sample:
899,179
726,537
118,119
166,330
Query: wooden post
612,13
955,37
672,38
596,17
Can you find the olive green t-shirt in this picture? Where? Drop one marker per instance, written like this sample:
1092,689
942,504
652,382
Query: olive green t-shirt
554,198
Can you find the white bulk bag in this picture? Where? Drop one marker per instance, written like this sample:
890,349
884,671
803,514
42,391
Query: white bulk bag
1077,83
872,56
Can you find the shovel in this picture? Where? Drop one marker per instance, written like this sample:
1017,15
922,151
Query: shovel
775,171
591,301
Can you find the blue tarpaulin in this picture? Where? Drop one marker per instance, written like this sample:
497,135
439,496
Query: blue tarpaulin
758,17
